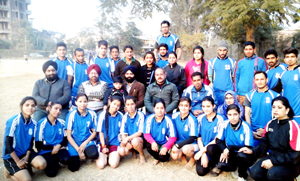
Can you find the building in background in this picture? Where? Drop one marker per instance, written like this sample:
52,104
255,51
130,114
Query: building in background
12,10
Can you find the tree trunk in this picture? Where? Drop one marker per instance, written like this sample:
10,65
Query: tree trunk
250,33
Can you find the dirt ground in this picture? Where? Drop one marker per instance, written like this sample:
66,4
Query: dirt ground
17,79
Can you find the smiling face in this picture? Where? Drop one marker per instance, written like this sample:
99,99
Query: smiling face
114,53
28,108
55,110
114,106
172,59
149,59
229,99
290,59
128,53
159,110
79,55
260,80
249,51
184,107
93,76
160,76
233,116
207,107
61,51
81,103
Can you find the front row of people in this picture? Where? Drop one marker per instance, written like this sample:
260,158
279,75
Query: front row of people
209,141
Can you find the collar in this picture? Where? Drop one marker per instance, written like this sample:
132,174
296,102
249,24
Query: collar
83,115
166,82
173,66
25,121
61,60
133,115
92,84
213,119
262,92
287,68
275,66
162,59
112,115
201,90
102,58
254,57
50,121
131,83
81,63
132,60
223,58
49,82
169,34
182,119
283,121
238,125
161,119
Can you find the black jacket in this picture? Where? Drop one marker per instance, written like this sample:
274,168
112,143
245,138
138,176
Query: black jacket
176,75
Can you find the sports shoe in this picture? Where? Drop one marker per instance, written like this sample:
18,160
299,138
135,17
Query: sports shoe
215,172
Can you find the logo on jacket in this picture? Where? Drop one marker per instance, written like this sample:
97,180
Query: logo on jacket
215,129
196,68
171,43
227,67
30,132
295,77
107,65
163,131
186,128
59,131
277,75
270,130
241,137
268,100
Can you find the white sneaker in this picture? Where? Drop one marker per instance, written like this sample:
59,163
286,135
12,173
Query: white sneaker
241,179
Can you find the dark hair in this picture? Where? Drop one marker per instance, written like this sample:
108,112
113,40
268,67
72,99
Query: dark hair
118,79
290,50
151,53
61,44
26,99
102,42
249,43
127,46
78,50
286,104
185,98
163,45
130,98
209,99
233,106
113,46
165,22
271,52
159,100
115,98
55,102
261,72
158,68
197,74
81,95
202,59
201,50
172,52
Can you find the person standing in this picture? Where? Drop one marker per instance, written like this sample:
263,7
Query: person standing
49,89
162,60
168,38
114,53
220,72
245,69
106,65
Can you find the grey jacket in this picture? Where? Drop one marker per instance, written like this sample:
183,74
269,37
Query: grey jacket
45,91
168,93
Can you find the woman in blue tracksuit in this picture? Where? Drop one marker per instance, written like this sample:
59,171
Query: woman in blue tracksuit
51,140
109,123
80,126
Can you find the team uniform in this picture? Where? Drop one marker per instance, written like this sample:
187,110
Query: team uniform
233,140
161,63
47,136
19,134
79,73
116,61
197,96
221,71
261,108
185,129
64,68
107,67
274,75
208,131
110,128
171,40
163,133
131,125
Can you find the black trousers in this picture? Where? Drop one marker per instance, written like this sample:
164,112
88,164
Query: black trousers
213,153
53,161
241,160
284,172
90,152
155,154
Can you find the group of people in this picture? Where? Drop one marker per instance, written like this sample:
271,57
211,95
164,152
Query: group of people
221,115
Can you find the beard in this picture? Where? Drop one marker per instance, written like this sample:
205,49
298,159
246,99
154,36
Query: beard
163,55
51,77
129,79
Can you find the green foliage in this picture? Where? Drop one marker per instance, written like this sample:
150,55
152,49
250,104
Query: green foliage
188,42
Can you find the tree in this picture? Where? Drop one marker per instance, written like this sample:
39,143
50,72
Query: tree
230,17
130,36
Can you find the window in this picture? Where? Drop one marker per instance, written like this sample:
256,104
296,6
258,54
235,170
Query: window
16,3
21,6
21,16
17,15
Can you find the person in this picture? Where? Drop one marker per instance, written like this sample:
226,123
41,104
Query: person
90,57
161,89
114,53
289,84
230,98
26,57
51,88
18,154
109,122
118,90
106,65
258,109
94,88
64,65
162,60
158,128
132,130
280,140
128,60
51,140
197,64
133,87
170,39
245,69
186,126
147,70
79,72
197,92
209,124
275,68
175,73
234,135
220,72
80,127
